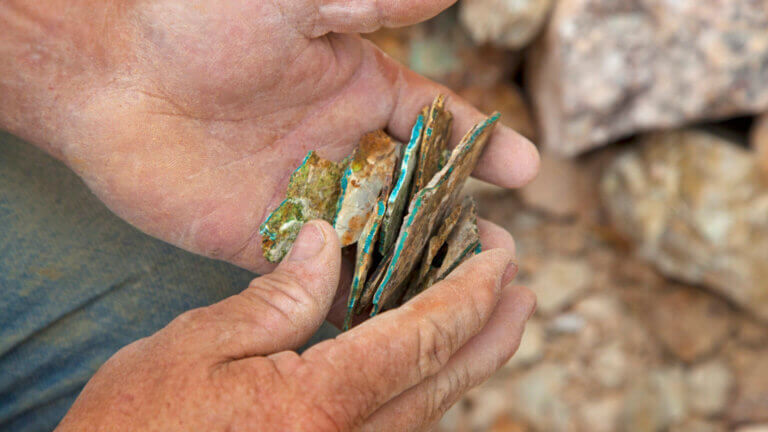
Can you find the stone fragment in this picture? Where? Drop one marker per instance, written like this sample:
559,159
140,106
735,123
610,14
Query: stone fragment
537,396
370,171
508,23
567,323
313,190
753,428
428,206
709,385
488,404
433,142
600,415
561,188
464,240
751,400
558,282
695,205
420,280
690,323
398,198
698,425
506,423
752,334
655,401
365,249
506,99
609,365
604,69
442,50
374,280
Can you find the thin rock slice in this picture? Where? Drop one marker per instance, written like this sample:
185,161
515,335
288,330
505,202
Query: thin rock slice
398,198
365,250
436,243
428,207
370,171
312,192
366,298
462,243
434,142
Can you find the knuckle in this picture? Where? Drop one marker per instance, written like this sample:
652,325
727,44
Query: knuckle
444,392
192,318
282,294
435,347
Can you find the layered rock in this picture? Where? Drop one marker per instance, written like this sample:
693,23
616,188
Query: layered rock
604,69
696,206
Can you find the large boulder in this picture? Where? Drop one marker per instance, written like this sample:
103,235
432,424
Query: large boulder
604,69
696,206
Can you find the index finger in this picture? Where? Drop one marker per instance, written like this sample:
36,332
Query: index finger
396,350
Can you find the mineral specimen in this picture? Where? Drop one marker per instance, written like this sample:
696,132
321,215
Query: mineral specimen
430,205
365,251
313,190
370,171
393,216
397,256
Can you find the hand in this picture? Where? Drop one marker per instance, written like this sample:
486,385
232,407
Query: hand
187,117
227,367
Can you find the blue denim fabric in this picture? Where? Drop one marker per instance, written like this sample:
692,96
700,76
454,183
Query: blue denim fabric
77,284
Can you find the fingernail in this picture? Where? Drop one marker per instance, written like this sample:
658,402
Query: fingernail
308,244
509,274
532,310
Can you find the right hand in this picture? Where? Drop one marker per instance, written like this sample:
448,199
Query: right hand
229,366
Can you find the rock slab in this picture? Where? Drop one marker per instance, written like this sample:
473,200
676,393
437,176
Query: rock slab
696,206
604,69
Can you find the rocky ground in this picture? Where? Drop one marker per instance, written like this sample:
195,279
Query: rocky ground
649,256
614,345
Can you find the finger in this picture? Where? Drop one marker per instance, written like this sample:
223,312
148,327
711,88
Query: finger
281,310
364,16
392,352
424,404
493,236
509,160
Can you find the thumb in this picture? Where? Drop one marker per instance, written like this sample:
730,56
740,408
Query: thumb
281,310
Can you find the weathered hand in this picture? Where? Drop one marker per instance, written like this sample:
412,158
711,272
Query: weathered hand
227,367
187,117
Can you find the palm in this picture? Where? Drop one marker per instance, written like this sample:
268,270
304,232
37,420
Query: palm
223,101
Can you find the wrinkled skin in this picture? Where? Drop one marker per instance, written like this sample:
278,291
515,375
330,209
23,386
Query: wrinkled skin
229,366
187,117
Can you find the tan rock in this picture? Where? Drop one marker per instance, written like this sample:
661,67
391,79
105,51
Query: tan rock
507,23
695,206
709,385
537,397
751,403
562,188
604,69
558,282
506,99
690,323
600,415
